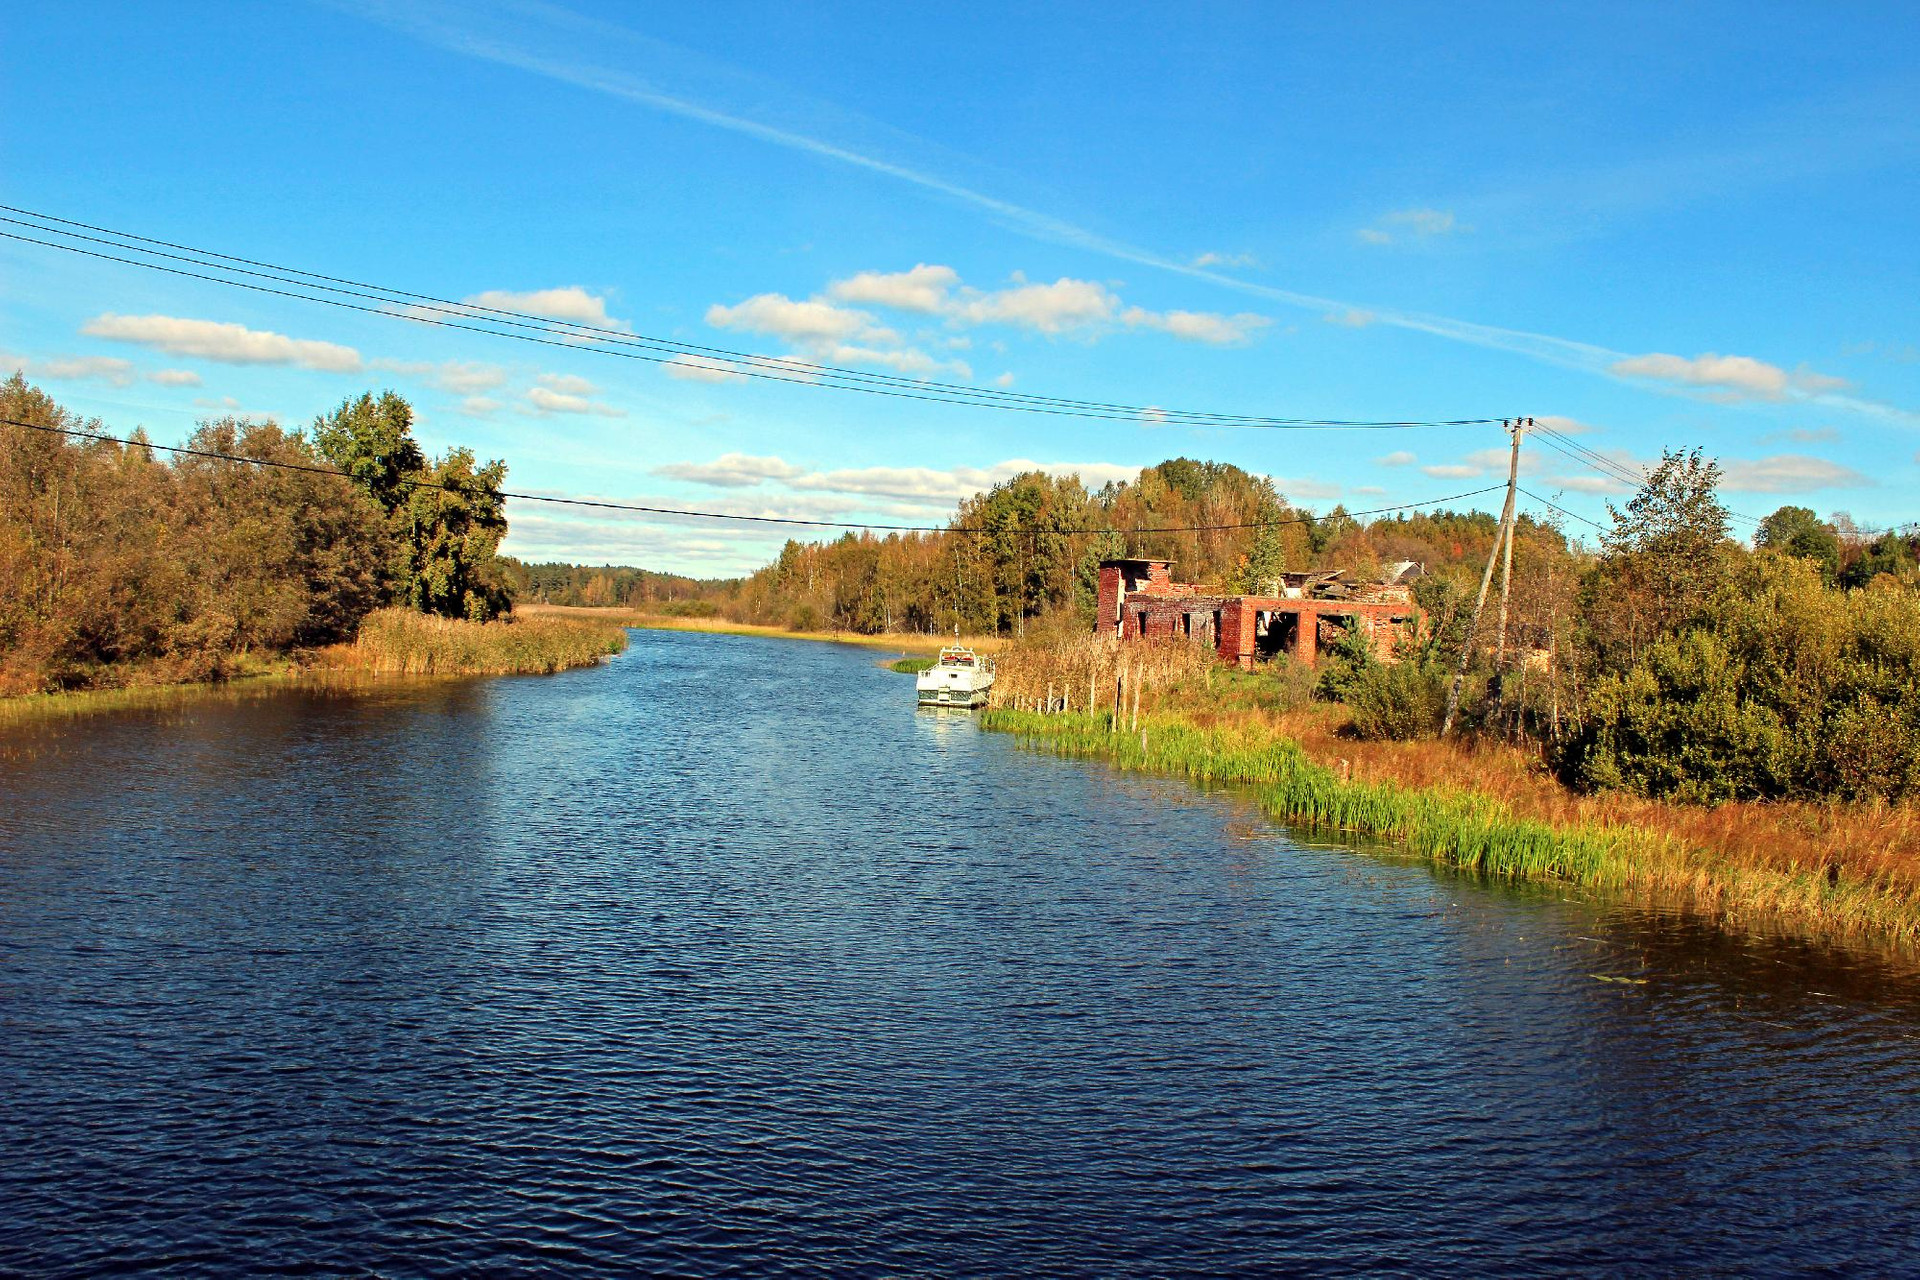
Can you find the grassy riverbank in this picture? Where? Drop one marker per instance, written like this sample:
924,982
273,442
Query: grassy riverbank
33,708
391,642
1831,872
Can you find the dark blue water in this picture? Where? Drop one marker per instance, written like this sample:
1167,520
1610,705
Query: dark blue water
723,960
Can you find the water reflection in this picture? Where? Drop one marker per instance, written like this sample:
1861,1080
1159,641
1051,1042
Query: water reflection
724,959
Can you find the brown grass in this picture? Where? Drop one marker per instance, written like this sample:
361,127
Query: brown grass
402,642
1875,844
1836,870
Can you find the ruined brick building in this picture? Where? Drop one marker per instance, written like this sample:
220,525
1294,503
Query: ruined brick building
1305,610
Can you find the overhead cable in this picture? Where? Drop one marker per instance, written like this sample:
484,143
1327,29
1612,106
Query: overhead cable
183,451
219,268
1571,515
1611,468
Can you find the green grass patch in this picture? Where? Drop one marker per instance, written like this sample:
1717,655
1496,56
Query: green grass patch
911,666
1474,832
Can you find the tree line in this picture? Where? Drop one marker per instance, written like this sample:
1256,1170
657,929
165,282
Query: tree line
120,561
1668,658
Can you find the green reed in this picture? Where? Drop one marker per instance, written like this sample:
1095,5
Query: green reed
1472,832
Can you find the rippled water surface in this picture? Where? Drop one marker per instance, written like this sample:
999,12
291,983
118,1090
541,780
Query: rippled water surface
722,959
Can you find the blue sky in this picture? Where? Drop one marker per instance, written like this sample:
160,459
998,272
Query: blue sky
1658,225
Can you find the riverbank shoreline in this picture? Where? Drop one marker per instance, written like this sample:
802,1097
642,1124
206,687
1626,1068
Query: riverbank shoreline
889,641
392,644
1468,829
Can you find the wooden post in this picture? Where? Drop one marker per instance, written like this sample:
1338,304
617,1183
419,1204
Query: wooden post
1137,682
1119,696
1049,697
1486,580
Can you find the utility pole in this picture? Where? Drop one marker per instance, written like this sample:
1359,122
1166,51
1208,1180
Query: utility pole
1514,427
1506,567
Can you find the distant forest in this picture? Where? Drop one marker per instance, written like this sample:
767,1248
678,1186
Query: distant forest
623,586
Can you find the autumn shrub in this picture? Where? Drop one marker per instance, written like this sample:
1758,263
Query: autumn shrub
1400,700
1786,690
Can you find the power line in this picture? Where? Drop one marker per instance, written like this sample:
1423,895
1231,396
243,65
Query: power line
1612,469
184,451
1592,460
1571,515
608,341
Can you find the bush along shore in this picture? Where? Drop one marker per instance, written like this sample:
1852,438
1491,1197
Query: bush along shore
1480,833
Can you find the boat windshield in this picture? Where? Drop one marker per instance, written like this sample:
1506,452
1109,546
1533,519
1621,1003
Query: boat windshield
956,658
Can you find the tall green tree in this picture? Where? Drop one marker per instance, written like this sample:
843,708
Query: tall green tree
447,517
1661,560
1800,533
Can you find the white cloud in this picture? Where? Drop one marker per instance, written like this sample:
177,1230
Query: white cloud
480,406
1591,484
923,489
923,289
1565,426
109,369
1420,224
906,360
944,488
1803,435
547,400
174,377
1451,471
1424,222
222,341
1742,375
569,384
1734,377
792,368
1211,259
1305,488
1055,308
803,323
1199,326
1788,473
1004,380
1815,383
1398,458
703,369
458,377
228,407
732,471
570,303
831,332
1352,317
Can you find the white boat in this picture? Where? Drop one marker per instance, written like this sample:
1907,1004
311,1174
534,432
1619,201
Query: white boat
960,678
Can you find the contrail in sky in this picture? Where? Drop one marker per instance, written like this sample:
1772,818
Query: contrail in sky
509,45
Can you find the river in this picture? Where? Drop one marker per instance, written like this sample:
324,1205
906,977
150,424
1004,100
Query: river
721,959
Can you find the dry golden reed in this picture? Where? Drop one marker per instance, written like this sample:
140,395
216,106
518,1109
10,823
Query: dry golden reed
402,642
